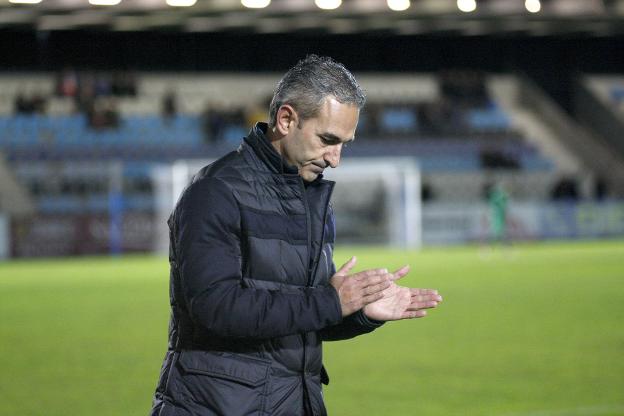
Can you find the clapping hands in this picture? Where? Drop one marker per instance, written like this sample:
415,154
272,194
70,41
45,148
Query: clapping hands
376,292
400,302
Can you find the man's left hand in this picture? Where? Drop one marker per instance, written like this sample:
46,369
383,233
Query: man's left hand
401,302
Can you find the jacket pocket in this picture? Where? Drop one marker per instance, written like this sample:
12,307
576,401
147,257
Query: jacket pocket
224,383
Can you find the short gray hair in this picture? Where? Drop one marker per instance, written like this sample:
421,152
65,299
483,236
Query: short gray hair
306,85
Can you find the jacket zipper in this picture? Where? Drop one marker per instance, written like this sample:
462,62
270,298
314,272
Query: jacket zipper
312,271
308,229
322,242
304,338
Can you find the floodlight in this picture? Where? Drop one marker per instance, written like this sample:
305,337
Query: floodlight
104,2
328,4
398,5
467,6
181,3
255,4
533,6
24,1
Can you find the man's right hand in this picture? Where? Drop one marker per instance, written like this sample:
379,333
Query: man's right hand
359,289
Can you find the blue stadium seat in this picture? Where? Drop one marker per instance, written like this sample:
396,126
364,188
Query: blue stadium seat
491,117
617,93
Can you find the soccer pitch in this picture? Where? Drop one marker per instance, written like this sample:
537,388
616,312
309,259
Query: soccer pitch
532,330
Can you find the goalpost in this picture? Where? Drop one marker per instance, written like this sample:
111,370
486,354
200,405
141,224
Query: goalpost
376,200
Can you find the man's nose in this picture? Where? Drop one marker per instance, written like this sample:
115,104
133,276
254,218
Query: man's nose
332,156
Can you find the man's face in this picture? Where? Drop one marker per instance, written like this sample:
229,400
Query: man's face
317,142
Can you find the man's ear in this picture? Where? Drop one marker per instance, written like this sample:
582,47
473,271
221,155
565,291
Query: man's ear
286,119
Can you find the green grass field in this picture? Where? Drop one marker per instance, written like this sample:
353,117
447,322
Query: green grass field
533,330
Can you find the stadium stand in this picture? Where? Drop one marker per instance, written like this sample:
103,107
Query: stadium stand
465,129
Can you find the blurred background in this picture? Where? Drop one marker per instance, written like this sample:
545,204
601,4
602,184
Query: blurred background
520,99
489,156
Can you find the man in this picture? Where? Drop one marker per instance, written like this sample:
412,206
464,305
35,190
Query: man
498,201
253,287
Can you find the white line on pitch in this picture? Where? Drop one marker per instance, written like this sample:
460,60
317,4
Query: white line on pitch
577,411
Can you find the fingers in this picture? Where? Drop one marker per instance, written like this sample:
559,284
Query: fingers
358,290
418,306
416,291
427,301
373,288
400,272
355,293
371,298
426,298
346,268
375,285
414,314
411,312
367,274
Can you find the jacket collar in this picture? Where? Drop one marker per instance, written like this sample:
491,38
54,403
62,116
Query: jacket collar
263,148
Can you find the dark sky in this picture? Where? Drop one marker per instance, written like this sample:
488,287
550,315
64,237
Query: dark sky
553,62
253,52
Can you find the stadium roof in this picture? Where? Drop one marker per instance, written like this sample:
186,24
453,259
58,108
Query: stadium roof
555,17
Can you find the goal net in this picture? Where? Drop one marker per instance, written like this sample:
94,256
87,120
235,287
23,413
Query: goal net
375,200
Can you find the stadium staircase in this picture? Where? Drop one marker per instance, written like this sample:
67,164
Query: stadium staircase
531,126
602,116
575,149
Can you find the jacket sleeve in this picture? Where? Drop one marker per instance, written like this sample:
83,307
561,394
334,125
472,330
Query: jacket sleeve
208,249
351,326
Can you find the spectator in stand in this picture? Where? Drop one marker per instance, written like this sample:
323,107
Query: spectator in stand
427,193
169,105
492,157
371,113
435,116
67,83
103,114
213,123
112,112
464,87
256,113
85,97
102,85
38,102
22,105
35,104
600,189
566,189
123,84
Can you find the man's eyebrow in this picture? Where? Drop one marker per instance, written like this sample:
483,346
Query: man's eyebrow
335,139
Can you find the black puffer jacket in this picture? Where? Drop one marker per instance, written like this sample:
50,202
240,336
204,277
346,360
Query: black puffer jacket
251,258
